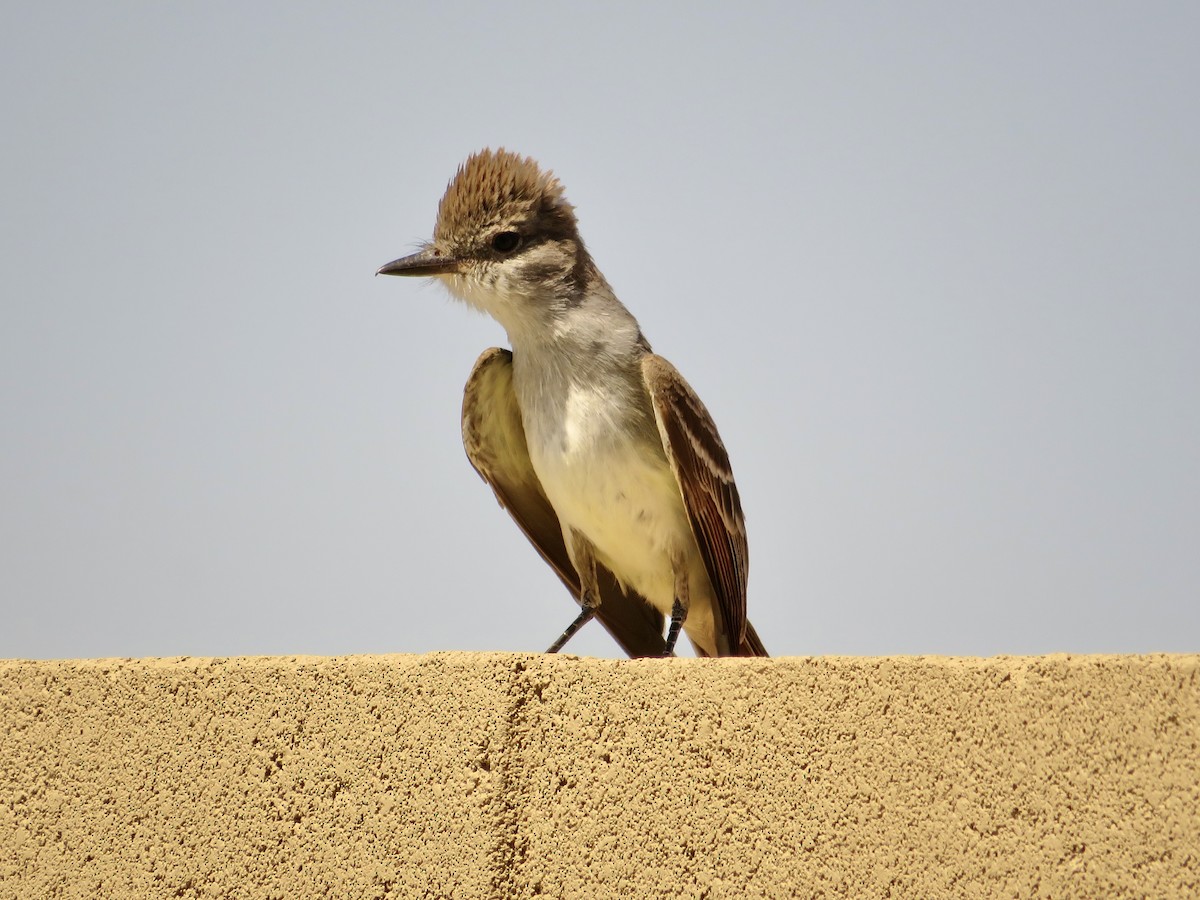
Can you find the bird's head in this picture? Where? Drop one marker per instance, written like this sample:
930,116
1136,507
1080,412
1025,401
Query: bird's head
506,239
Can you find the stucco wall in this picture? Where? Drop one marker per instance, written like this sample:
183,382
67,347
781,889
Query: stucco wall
488,775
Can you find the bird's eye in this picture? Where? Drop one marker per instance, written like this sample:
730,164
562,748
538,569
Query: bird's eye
506,242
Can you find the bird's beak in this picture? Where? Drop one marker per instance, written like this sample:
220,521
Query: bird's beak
429,261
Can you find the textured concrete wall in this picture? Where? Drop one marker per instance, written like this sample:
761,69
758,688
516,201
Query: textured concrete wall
470,776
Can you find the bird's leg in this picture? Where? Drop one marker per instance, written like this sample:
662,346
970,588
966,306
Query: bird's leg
677,615
678,608
585,616
583,557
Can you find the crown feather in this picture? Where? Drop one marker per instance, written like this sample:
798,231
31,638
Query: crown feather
494,186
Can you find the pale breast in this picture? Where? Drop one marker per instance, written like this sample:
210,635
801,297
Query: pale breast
607,482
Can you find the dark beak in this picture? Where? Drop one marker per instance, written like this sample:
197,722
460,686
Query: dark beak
429,261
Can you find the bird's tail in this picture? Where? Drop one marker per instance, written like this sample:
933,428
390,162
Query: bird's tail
751,645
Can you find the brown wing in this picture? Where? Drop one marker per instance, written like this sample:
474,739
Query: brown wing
710,497
494,439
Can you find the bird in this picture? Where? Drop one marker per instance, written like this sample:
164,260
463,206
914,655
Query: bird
597,447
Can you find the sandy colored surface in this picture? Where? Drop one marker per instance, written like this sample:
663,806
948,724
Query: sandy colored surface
487,775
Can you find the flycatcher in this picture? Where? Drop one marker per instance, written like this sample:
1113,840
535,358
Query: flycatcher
596,446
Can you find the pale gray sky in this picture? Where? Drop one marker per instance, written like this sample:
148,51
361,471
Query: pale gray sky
934,268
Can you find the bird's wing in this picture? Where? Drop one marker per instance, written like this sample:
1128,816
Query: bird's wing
701,467
494,439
